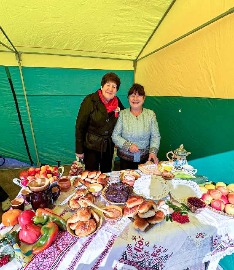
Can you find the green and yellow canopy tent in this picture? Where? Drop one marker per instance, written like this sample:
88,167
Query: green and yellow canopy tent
53,53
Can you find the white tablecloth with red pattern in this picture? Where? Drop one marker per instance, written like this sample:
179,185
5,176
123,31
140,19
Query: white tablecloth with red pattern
169,245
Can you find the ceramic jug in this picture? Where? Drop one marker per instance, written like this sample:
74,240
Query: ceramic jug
43,193
178,157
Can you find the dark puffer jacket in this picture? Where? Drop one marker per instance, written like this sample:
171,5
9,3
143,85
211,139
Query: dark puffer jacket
94,126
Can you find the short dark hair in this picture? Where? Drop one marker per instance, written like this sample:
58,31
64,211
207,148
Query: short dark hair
136,88
111,76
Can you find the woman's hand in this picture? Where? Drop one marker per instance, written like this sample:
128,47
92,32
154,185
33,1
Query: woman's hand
80,156
133,148
153,157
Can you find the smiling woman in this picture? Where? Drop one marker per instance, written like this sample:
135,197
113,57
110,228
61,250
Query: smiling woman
95,122
136,133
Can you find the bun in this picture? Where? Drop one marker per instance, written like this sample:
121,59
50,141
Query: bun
147,214
140,223
157,218
84,174
85,228
76,182
92,174
102,181
145,206
97,174
134,200
130,212
83,214
87,197
102,175
80,193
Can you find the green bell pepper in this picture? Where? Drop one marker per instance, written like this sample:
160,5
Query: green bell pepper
43,216
49,232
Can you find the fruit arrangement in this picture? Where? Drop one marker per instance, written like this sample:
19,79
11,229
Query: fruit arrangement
45,171
219,196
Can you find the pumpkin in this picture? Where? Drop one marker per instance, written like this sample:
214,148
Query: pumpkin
10,218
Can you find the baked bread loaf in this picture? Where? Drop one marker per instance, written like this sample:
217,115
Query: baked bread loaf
134,200
130,212
157,218
147,214
140,223
84,228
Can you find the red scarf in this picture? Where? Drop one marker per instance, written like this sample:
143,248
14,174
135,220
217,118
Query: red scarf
111,105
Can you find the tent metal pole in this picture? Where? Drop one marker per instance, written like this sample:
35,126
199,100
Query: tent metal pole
157,26
18,113
28,110
230,11
4,33
7,47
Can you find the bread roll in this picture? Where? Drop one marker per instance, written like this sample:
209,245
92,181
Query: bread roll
157,218
147,214
140,223
102,181
134,200
130,212
84,174
146,206
92,174
85,228
83,214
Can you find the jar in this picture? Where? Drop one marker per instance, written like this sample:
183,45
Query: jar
64,183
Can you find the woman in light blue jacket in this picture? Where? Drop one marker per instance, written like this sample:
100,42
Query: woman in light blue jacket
136,133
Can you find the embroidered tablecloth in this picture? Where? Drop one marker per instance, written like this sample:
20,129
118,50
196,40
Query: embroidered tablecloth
168,245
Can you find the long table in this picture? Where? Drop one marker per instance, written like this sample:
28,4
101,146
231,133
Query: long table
199,244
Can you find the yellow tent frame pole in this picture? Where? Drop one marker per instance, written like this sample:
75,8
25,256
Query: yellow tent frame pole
28,109
228,12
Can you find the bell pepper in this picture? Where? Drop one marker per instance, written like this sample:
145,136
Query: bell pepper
43,216
49,232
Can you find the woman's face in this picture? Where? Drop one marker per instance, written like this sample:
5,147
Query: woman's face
136,101
109,90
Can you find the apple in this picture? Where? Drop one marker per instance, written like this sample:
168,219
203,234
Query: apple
218,205
215,194
229,209
230,187
206,198
231,197
223,189
210,186
220,184
224,199
31,171
203,189
37,170
23,175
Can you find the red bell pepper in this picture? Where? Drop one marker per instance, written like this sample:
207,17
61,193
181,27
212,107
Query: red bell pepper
49,233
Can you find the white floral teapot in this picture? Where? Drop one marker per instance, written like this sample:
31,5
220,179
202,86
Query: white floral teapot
178,157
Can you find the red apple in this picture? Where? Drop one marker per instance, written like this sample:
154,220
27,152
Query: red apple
224,190
231,197
215,194
218,205
206,198
229,209
37,170
31,171
224,199
23,175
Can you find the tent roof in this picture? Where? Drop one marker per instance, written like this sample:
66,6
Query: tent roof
96,28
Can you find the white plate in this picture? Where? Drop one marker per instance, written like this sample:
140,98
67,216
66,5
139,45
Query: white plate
182,189
151,187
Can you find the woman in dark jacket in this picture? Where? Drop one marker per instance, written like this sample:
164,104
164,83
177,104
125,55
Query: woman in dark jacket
95,123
